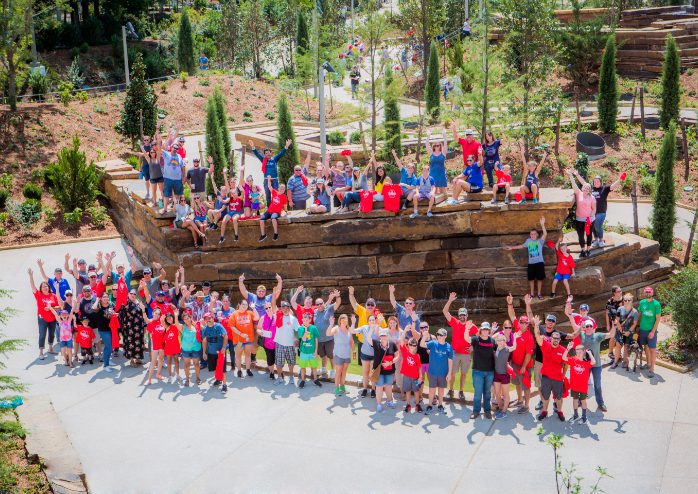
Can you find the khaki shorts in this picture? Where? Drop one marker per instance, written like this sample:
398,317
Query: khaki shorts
461,361
536,373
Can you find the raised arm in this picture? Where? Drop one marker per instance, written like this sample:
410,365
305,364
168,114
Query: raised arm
510,308
241,286
542,227
398,161
30,271
541,162
276,292
536,333
447,307
352,299
294,297
132,258
40,262
391,291
574,182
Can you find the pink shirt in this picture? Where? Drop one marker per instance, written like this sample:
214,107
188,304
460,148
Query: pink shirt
584,206
269,324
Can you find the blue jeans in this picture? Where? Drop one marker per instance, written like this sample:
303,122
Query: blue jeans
489,169
349,198
47,328
598,225
482,386
106,341
598,392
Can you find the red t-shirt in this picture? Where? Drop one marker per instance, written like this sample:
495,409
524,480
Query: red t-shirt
579,319
579,374
157,334
42,301
182,152
164,307
411,363
172,346
565,263
300,310
84,336
99,288
366,202
552,361
469,148
502,177
458,335
278,201
391,197
235,205
525,345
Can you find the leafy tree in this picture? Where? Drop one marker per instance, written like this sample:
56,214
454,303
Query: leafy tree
222,114
75,182
608,88
431,90
302,36
255,34
285,132
14,40
140,100
427,18
185,45
671,90
455,57
454,15
8,384
664,210
393,130
214,141
682,303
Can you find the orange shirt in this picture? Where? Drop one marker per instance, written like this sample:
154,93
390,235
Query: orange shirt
244,323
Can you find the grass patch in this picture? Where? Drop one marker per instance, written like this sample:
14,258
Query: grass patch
16,473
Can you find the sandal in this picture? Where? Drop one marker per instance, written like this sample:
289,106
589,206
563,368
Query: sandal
540,297
198,381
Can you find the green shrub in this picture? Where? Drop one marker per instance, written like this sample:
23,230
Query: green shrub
246,113
270,115
84,48
4,217
42,176
82,96
612,163
197,94
582,165
74,52
65,92
335,138
647,185
25,214
98,216
31,191
49,214
75,182
694,252
4,194
73,217
6,181
247,119
204,81
133,161
355,137
39,83
681,301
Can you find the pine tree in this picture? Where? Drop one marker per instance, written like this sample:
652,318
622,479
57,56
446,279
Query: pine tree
185,47
222,114
608,88
302,37
393,137
140,98
285,131
214,142
431,90
664,210
9,385
671,91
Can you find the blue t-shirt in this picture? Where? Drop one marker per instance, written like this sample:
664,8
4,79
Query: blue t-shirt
63,285
272,168
425,185
214,338
474,175
127,279
403,319
258,302
438,357
403,175
172,166
407,180
491,151
322,322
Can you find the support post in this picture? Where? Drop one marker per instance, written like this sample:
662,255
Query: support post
642,110
684,149
321,96
633,197
689,246
632,107
123,35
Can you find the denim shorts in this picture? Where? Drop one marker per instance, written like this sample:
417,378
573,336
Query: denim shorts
145,171
385,380
644,339
173,187
66,344
191,354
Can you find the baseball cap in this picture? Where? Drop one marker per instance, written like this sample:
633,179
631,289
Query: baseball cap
384,332
469,132
91,267
462,311
206,284
68,292
160,293
588,324
84,318
551,317
320,181
58,270
285,304
207,315
181,139
63,312
119,264
371,301
523,319
485,325
82,261
147,271
584,307
197,160
441,332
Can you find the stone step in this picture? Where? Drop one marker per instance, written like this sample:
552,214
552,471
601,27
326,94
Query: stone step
115,165
123,174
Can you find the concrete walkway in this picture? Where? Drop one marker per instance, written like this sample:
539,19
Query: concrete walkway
264,438
621,213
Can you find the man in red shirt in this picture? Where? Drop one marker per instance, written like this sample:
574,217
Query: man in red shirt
470,146
461,348
552,374
306,308
274,209
522,357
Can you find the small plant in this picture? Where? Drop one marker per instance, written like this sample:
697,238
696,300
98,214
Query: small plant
270,115
163,87
355,137
65,92
74,52
612,163
73,217
133,161
204,81
247,119
335,138
82,96
197,94
74,74
4,194
6,181
98,216
49,214
647,185
25,214
84,48
183,77
4,217
100,109
31,191
582,165
247,113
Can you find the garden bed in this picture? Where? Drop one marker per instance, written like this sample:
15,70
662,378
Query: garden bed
17,472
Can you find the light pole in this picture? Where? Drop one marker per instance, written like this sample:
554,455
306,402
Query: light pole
123,34
321,77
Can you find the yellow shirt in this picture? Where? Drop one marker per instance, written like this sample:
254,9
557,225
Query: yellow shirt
379,187
362,313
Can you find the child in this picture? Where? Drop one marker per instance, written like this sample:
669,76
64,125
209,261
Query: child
84,337
183,221
440,365
308,335
580,368
426,190
274,210
65,334
156,330
565,267
529,178
503,183
201,209
172,346
234,205
501,373
410,369
536,263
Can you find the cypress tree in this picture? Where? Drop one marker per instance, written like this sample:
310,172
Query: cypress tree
214,142
671,91
608,88
302,37
393,137
185,47
222,114
664,210
431,90
285,131
140,97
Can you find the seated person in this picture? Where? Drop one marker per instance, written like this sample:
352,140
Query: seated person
425,191
503,184
274,210
321,198
470,181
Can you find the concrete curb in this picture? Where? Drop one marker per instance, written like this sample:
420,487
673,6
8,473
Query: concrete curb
47,439
61,242
675,367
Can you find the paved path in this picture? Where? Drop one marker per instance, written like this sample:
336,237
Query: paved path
621,213
263,438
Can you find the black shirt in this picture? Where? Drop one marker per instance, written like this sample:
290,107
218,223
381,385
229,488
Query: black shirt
483,353
381,354
601,195
100,318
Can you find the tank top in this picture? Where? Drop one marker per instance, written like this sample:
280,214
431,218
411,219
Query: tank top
189,341
155,168
342,344
531,179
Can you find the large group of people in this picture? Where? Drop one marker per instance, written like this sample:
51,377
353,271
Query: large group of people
103,311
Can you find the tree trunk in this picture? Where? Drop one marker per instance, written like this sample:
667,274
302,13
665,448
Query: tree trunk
689,245
85,7
632,107
486,71
642,111
425,42
11,78
95,7
373,99
74,14
576,105
633,197
684,149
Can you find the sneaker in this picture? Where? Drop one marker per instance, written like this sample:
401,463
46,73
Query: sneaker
338,391
461,396
222,239
271,375
379,408
541,415
497,415
503,415
584,420
535,201
235,237
650,374
275,237
506,200
391,404
450,394
364,392
224,389
109,369
301,384
441,409
614,365
262,238
594,244
373,393
488,415
344,389
332,374
408,408
474,415
249,373
539,405
601,243
522,201
42,356
414,215
573,419
561,416
493,201
317,383
602,408
451,201
240,373
279,380
217,383
428,410
522,410
418,408
429,214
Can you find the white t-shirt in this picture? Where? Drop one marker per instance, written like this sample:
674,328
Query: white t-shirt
286,334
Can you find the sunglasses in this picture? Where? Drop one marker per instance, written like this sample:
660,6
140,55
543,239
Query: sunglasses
627,300
370,305
267,308
93,277
413,344
424,327
507,327
555,339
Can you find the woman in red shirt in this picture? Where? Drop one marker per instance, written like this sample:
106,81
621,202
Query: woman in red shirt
156,330
171,345
46,318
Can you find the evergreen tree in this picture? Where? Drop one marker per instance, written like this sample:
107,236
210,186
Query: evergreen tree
302,37
214,142
608,88
431,90
222,114
664,210
671,91
140,98
9,385
393,137
185,46
285,131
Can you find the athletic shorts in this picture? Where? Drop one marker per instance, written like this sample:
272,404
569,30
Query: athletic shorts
437,381
623,339
86,352
536,271
285,354
308,363
548,385
233,213
410,385
423,197
271,356
157,180
501,378
475,190
644,339
200,219
340,360
269,216
560,277
325,349
212,361
364,357
578,395
385,380
461,361
517,380
173,187
536,373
